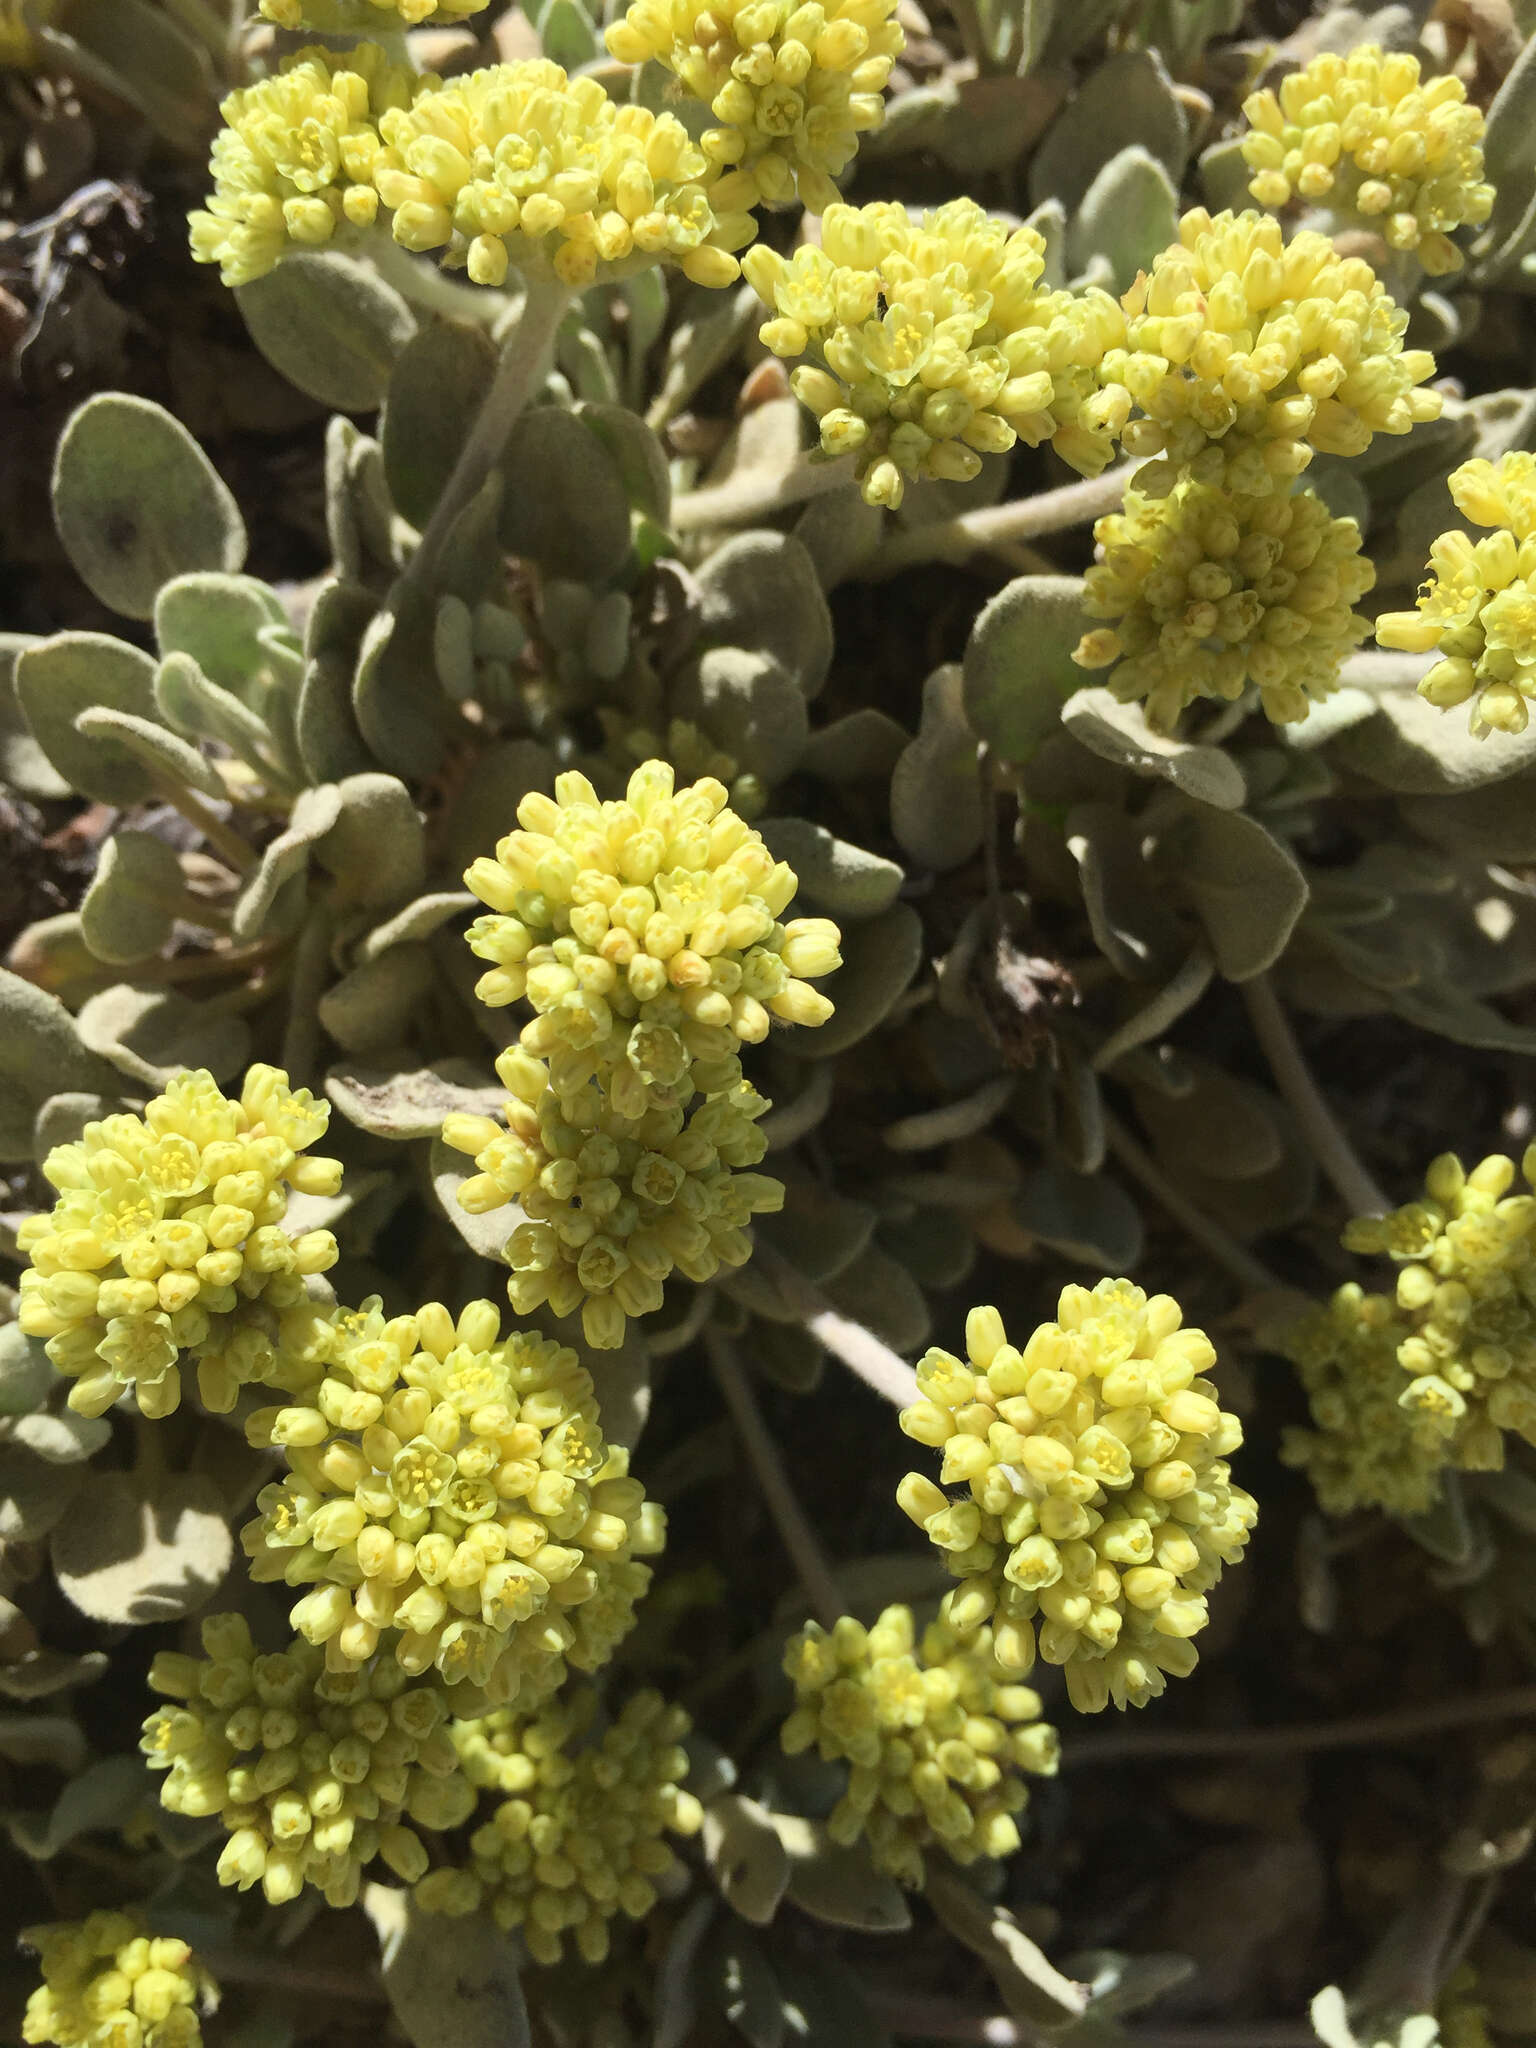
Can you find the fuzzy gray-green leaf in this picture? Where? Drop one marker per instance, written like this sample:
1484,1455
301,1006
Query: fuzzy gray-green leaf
331,325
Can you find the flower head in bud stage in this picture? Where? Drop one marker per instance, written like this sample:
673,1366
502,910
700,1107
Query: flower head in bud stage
1366,1448
792,83
313,1773
1100,1499
295,159
451,1499
579,1833
1364,134
931,343
692,753
167,1237
1210,592
109,1984
506,163
936,1733
342,17
1246,354
1466,1284
1478,608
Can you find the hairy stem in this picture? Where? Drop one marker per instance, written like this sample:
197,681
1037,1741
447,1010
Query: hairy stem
790,1519
1362,1731
993,526
876,1364
430,287
1241,1263
741,501
524,356
1293,1077
226,842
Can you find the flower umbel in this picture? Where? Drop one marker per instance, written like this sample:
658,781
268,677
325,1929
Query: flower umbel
345,17
295,159
109,1984
313,1773
1211,592
450,1497
167,1237
1366,1447
518,160
1466,1283
936,1733
1379,144
1246,354
579,1834
932,343
1100,1499
1478,608
793,84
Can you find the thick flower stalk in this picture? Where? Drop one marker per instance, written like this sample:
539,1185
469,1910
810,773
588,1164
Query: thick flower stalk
1210,592
167,1237
580,1830
932,344
520,164
451,1500
1377,144
646,936
792,83
1246,354
313,1773
295,159
936,1733
107,1983
1466,1282
1100,1504
1366,1448
1478,608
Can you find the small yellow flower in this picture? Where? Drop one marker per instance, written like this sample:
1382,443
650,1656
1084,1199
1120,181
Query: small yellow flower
930,343
1478,607
167,1238
1379,145
792,83
106,1982
1098,1500
338,17
451,1500
1210,592
311,1773
1246,354
582,1836
935,1733
520,163
295,159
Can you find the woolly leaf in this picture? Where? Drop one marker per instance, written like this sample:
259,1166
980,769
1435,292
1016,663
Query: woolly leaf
761,591
147,1552
391,1104
745,1856
452,1983
41,1054
835,876
313,815
1244,883
165,754
566,507
57,679
748,703
23,764
218,620
936,800
330,325
1127,99
370,1007
149,1033
880,957
1083,1216
745,1988
1120,733
1018,664
1129,213
837,1885
130,908
435,390
102,1797
137,502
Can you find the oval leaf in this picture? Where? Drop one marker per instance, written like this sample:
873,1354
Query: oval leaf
331,325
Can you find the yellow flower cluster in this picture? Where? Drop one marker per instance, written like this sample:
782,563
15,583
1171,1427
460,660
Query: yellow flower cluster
167,1233
645,935
518,158
18,44
1364,133
341,17
935,1734
1466,1283
108,1984
1478,607
792,83
313,1773
1245,354
295,158
580,1832
1210,591
450,1490
1366,1448
933,344
1099,1496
